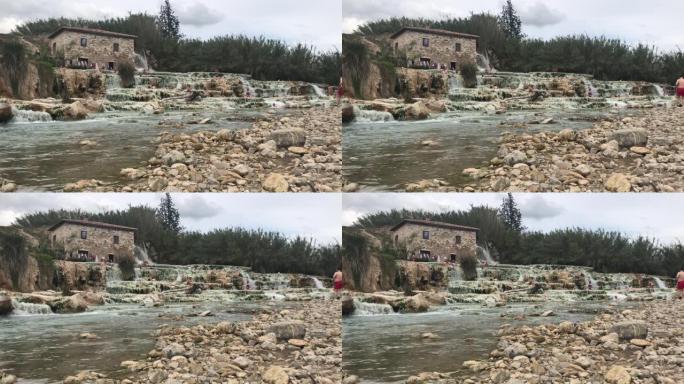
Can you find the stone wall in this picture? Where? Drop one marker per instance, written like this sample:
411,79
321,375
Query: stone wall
442,242
98,50
442,49
99,242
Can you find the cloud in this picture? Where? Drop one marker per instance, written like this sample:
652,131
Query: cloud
198,14
540,15
197,207
538,208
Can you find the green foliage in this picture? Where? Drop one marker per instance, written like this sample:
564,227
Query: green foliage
13,254
126,72
608,252
264,252
510,214
264,59
168,22
604,58
469,74
469,265
127,268
355,61
168,214
13,59
510,21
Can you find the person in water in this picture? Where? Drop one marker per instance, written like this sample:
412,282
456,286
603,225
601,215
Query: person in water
338,281
680,90
680,283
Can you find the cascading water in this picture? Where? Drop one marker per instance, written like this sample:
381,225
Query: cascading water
318,91
371,309
592,91
22,116
659,283
484,254
659,90
455,82
141,64
364,116
249,90
141,256
591,283
484,64
30,309
317,283
248,283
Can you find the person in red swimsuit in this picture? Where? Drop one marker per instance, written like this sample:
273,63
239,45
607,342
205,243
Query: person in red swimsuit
680,283
338,282
680,90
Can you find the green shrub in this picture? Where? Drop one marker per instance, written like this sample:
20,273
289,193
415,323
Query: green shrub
127,267
469,266
469,74
127,74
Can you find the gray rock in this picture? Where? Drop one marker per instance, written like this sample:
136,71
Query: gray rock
173,157
628,330
515,157
286,138
627,138
173,349
288,330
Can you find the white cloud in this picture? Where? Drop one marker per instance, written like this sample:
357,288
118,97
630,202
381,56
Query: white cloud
540,15
538,207
198,14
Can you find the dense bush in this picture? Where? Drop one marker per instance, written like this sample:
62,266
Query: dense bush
469,265
262,251
127,268
264,59
469,74
126,72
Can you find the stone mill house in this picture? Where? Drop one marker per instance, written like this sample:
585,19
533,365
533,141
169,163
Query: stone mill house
432,241
435,48
92,48
84,240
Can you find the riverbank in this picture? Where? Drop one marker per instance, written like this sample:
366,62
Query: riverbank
300,345
640,345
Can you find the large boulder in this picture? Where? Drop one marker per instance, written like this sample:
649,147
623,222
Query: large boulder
276,375
6,113
71,304
5,305
287,330
285,138
347,305
629,330
347,113
417,303
173,157
75,111
515,157
627,138
275,182
417,111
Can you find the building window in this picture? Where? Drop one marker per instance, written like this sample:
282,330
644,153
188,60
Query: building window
458,47
84,235
396,46
84,42
54,238
458,240
116,47
116,239
426,42
426,235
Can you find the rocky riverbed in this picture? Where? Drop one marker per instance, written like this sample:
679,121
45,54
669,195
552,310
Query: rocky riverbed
300,345
641,345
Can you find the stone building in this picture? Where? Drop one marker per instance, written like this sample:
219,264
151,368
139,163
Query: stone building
432,241
84,240
90,48
435,48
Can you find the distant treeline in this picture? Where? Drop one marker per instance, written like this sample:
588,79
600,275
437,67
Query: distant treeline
264,59
262,251
609,252
606,59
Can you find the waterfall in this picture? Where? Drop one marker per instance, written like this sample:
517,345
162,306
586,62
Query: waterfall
455,82
371,309
113,274
141,256
22,116
592,91
317,283
484,253
249,90
140,62
659,90
363,116
590,282
659,283
484,64
179,276
318,91
247,282
30,308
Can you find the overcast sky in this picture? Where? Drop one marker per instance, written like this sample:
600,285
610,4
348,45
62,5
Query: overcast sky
314,22
655,22
314,216
659,216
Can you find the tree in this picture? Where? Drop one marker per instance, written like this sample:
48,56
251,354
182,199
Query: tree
168,214
510,214
510,21
168,22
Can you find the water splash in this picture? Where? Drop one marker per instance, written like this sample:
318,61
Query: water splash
248,283
317,283
141,64
22,116
371,309
25,309
318,91
484,254
142,257
659,283
364,116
